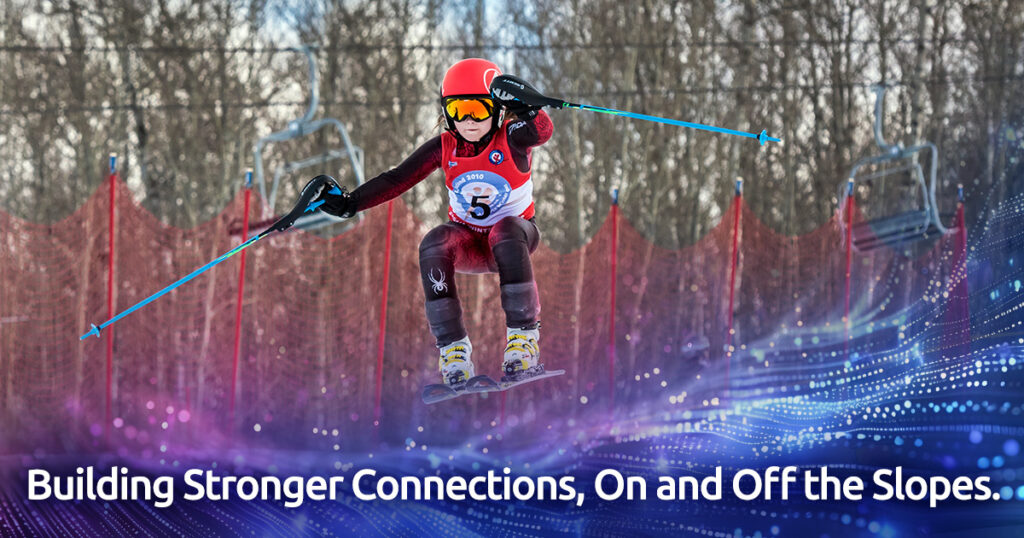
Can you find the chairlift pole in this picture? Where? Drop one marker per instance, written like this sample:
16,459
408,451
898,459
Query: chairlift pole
886,147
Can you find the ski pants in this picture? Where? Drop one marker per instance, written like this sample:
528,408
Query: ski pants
504,249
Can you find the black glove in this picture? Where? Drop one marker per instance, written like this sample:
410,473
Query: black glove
341,204
313,195
522,111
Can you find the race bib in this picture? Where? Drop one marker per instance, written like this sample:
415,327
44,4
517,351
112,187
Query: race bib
478,197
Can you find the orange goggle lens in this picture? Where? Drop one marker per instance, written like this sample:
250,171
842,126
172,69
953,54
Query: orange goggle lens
460,109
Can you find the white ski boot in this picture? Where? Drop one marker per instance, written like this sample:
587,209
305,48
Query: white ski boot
456,363
522,353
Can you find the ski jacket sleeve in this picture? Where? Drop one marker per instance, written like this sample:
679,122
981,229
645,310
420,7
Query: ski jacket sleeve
401,178
527,133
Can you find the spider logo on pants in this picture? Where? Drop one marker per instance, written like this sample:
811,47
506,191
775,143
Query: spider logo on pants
439,284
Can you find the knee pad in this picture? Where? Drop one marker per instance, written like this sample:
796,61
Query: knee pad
445,319
510,229
511,241
437,243
521,304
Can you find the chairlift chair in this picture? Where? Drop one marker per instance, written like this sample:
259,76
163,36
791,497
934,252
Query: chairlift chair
299,128
918,223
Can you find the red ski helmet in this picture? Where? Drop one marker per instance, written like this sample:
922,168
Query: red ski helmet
469,78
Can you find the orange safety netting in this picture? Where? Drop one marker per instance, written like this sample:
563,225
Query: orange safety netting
310,323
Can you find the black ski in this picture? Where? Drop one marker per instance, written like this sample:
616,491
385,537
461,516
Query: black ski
440,392
490,385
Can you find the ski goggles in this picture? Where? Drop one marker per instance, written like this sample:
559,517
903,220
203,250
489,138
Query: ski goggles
460,108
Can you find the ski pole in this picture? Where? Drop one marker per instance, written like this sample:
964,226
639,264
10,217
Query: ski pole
309,200
762,137
507,87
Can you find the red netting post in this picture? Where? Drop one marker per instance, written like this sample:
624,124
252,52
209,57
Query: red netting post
611,306
737,204
961,239
238,303
960,341
112,180
849,265
383,317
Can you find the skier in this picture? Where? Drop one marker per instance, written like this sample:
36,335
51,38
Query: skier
484,153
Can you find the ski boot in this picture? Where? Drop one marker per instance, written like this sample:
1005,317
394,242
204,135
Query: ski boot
456,363
522,354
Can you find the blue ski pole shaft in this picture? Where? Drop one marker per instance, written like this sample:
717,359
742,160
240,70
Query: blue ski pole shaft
309,201
96,329
761,138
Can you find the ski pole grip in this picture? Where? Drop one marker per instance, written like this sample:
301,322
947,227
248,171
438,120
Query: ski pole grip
508,88
310,199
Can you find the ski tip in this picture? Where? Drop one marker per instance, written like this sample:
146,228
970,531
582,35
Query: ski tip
95,330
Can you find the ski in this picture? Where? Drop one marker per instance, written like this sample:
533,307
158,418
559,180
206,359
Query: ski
490,385
439,392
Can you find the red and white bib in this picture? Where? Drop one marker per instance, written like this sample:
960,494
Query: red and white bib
486,188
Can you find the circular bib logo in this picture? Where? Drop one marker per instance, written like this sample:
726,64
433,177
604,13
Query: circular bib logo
480,193
496,156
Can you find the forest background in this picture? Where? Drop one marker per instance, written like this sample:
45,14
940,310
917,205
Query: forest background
182,91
